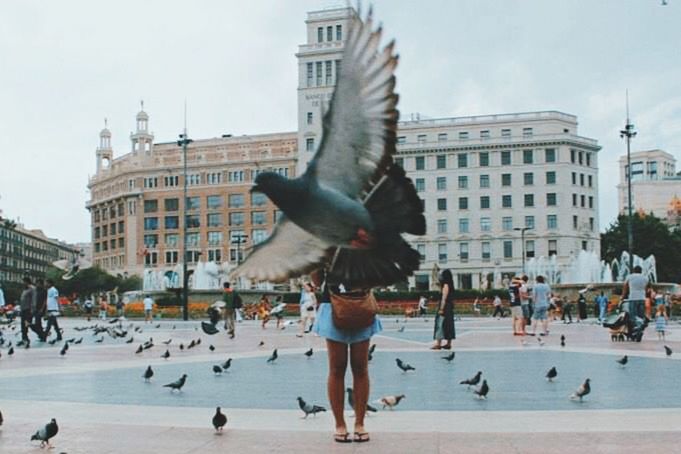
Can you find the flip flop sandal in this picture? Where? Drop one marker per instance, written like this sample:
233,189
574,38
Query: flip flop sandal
362,437
342,438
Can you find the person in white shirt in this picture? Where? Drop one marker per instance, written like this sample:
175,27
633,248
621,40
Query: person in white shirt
2,299
148,308
308,308
52,309
423,305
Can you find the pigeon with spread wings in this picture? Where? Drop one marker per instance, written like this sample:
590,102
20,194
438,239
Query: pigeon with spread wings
349,209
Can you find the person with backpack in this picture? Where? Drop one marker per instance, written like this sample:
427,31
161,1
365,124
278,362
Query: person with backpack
232,303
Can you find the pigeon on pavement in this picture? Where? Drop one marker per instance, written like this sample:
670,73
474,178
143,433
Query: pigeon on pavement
367,201
226,365
261,343
217,370
209,328
181,346
583,390
351,401
273,357
562,340
130,341
211,347
100,340
404,366
148,373
472,381
10,352
668,351
166,355
309,353
139,350
219,420
623,360
449,357
551,374
177,384
482,391
64,349
390,401
401,329
46,433
79,341
309,409
167,342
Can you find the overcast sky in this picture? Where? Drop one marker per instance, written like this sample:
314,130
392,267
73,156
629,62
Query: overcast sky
65,65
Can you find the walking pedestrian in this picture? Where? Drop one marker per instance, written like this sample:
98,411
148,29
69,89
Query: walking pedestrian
340,344
53,310
541,293
517,318
264,308
26,302
308,306
498,308
148,308
634,291
423,305
525,302
444,320
119,305
660,322
278,310
39,309
103,306
229,296
581,308
88,306
602,305
2,299
566,309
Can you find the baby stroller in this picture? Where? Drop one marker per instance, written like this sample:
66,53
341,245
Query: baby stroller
622,326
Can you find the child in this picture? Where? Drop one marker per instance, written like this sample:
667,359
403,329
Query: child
660,321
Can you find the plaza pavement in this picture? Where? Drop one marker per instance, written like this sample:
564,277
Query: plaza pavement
108,428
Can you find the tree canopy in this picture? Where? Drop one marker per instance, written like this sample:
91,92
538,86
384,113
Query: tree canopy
92,280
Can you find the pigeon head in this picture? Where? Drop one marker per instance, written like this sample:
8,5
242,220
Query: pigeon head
282,191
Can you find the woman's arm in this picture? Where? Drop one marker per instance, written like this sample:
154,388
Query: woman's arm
443,300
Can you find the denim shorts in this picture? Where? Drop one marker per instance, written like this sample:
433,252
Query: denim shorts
540,313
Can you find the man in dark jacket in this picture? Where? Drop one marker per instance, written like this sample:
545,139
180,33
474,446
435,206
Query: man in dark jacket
40,309
26,303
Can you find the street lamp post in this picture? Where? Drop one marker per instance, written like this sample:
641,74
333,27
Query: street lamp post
238,239
522,231
183,142
628,133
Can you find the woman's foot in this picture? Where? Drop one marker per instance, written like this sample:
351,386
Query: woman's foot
342,435
361,437
435,347
447,347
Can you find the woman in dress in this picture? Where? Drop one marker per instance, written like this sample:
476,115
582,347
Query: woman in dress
342,344
444,321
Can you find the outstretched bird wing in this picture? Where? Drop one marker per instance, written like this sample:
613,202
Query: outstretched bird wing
359,127
289,251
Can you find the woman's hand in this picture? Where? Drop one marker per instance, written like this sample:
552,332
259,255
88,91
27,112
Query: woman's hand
441,312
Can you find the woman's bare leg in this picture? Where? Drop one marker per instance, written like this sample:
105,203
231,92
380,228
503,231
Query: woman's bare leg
338,363
359,362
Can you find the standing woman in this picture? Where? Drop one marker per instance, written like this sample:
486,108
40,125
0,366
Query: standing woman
339,343
444,321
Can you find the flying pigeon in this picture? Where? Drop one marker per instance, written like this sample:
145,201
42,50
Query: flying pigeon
64,349
209,328
472,381
273,357
351,401
551,374
309,353
623,360
177,384
166,355
562,340
167,342
217,369
404,366
482,391
227,364
390,401
72,266
309,409
211,348
582,391
47,432
219,420
139,350
450,357
148,373
352,204
668,351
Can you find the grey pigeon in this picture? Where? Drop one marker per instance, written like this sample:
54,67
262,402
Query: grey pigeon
217,370
64,349
401,329
372,349
167,342
472,381
404,366
261,343
309,409
191,345
390,401
582,391
450,357
177,384
148,373
562,340
181,346
46,433
219,420
273,357
10,352
79,341
211,347
209,328
351,401
352,204
482,392
166,355
623,360
668,351
130,341
139,350
309,353
227,364
551,374
100,340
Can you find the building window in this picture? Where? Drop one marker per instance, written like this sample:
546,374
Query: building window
236,200
258,199
573,156
575,222
171,204
528,178
172,239
527,132
420,162
420,184
588,160
112,228
214,255
486,251
309,144
463,182
193,239
151,258
574,178
171,181
421,138
505,158
484,159
529,249
463,203
149,224
310,76
485,224
591,224
150,241
580,157
442,252
151,182
441,183
329,33
507,223
214,238
399,162
529,222
328,72
193,221
258,218
463,135
236,218
421,249
214,202
150,206
309,118
463,252
582,200
591,181
505,133
339,32
506,179
214,178
574,200
193,203
441,160
214,219
320,34
318,70
508,249
441,226
484,202
551,222
484,181
581,179
463,225
550,155
551,177
484,134
553,247
442,137
259,235
462,159
121,243
506,201
172,222
528,157
591,202
442,204
401,140
529,200
551,199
